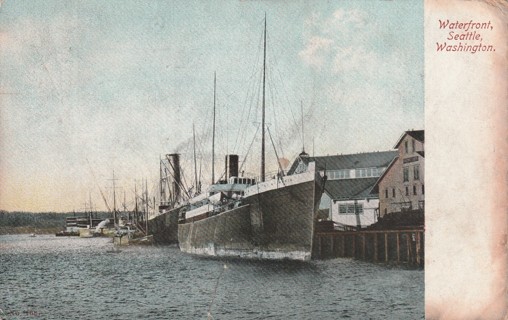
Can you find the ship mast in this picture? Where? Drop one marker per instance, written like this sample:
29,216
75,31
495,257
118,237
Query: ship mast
146,206
213,132
114,199
161,185
195,162
136,217
90,214
263,112
303,129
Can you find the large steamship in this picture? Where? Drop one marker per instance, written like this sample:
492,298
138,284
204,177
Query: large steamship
164,226
242,217
252,218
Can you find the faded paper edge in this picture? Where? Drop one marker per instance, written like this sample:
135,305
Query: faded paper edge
466,119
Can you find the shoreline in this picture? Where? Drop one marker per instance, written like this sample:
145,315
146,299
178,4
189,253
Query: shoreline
29,230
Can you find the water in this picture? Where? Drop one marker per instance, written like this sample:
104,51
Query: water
46,277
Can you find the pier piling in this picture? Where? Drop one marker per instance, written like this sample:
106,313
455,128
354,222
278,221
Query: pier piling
367,245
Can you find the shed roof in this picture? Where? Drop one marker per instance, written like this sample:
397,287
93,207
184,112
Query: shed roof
349,161
350,189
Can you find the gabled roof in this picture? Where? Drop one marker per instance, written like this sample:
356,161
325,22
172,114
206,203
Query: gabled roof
349,161
350,189
375,187
415,134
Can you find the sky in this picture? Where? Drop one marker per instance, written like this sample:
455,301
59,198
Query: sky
88,88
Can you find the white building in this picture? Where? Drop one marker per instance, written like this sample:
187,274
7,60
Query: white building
348,199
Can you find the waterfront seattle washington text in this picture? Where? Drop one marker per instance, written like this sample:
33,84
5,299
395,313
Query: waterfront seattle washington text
460,31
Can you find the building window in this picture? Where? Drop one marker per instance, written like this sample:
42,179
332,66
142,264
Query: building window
414,190
360,173
413,143
368,172
406,174
405,147
393,192
386,193
351,208
416,172
338,174
423,189
407,191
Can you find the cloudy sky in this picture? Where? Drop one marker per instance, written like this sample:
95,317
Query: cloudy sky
88,87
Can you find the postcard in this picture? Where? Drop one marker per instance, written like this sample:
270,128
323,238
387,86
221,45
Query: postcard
254,159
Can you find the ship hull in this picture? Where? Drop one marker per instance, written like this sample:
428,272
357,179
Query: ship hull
164,227
274,224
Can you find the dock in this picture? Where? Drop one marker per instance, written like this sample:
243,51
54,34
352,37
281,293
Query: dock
405,247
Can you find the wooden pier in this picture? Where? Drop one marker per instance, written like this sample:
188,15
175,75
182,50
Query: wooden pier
388,246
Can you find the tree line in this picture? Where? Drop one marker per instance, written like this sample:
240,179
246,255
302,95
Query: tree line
41,219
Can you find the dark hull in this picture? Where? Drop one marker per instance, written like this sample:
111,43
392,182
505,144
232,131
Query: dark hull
164,227
275,224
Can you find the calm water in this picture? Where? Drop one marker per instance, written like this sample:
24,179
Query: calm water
71,278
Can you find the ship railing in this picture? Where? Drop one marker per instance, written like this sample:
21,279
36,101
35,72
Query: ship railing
269,176
224,207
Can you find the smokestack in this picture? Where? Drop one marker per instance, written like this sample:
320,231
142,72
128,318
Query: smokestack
231,166
174,161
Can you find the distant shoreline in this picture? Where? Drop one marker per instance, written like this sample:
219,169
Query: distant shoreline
28,230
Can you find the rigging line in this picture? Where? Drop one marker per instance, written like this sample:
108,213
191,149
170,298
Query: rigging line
275,66
254,71
275,120
233,94
201,157
275,150
100,190
277,128
184,182
286,95
284,106
254,104
282,90
250,95
248,150
223,130
182,187
254,97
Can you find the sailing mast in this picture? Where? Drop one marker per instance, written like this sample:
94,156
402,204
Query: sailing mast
114,199
303,129
195,163
161,184
90,212
263,113
136,215
124,204
146,206
213,132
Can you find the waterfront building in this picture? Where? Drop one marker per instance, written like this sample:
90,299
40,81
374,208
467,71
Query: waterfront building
348,199
401,187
